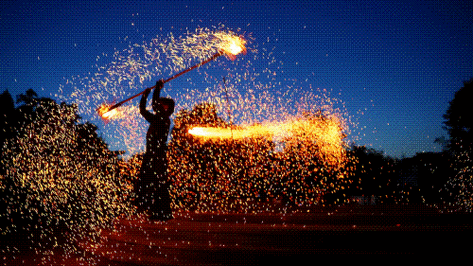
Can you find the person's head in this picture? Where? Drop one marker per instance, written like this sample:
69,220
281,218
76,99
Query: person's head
160,104
164,105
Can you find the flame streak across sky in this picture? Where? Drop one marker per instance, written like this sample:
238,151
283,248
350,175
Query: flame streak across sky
327,133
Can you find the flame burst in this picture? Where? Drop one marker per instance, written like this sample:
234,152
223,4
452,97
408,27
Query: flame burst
231,45
105,112
228,133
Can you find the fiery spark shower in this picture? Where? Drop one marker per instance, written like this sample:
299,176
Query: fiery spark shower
216,166
290,142
59,174
264,105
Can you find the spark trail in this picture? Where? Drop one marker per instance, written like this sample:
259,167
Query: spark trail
327,133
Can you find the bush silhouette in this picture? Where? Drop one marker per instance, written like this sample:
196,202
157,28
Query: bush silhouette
59,174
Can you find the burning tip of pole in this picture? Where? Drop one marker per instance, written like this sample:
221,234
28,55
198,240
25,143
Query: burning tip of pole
105,112
231,46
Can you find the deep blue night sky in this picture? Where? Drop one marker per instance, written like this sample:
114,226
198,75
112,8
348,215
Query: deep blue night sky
399,62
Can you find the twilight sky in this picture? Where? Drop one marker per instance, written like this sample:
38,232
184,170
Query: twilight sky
394,64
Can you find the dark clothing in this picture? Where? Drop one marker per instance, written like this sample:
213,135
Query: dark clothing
153,187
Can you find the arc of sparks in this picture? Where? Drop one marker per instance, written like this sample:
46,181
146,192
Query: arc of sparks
230,46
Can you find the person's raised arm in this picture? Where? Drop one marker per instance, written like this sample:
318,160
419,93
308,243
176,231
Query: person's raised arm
159,86
145,113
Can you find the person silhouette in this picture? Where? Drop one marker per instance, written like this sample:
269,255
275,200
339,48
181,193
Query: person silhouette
152,188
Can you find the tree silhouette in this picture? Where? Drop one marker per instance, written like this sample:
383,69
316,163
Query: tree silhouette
58,172
7,118
459,119
459,124
372,175
433,172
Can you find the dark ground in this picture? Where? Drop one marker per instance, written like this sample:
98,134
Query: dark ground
254,239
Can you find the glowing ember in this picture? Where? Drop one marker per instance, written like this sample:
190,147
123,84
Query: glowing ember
105,112
232,45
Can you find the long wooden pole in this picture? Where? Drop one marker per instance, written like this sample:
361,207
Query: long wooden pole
168,79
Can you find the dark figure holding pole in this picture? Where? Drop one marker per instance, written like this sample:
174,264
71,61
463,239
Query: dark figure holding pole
152,188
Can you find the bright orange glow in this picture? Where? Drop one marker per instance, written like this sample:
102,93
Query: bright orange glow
320,135
232,45
105,113
228,133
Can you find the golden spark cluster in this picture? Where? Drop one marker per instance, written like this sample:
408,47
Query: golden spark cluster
461,185
216,166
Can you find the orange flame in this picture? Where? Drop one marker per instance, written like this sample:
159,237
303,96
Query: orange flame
306,135
228,133
105,113
232,45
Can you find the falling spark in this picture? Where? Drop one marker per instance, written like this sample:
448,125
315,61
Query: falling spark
55,176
